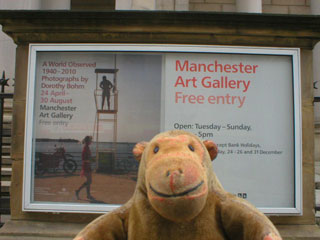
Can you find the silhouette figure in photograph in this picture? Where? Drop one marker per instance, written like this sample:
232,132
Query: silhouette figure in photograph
106,86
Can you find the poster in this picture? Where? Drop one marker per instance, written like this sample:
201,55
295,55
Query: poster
245,100
244,104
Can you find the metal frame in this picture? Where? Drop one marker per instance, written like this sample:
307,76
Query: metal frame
29,205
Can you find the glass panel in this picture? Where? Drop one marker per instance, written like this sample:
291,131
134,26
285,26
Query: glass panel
88,106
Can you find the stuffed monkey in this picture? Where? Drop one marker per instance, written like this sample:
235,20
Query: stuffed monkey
178,197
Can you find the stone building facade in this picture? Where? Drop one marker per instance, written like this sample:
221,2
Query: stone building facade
305,7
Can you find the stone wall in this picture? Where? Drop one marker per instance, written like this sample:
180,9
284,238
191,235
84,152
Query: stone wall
268,6
286,6
213,5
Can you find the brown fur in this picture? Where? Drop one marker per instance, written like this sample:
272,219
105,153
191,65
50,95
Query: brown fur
179,197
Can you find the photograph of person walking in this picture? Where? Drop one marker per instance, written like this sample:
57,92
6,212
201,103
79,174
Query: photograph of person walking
86,168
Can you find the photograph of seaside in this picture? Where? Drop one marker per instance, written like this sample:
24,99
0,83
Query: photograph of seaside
112,99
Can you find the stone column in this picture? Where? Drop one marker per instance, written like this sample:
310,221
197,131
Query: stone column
250,6
123,4
315,9
26,4
175,5
56,4
181,5
143,5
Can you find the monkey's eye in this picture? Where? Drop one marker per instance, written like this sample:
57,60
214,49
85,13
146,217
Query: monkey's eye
191,147
156,149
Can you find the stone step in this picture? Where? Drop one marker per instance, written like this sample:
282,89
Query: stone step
5,205
6,178
6,132
7,119
6,160
33,230
6,149
5,186
6,172
32,238
27,230
318,217
299,232
8,104
6,125
317,175
317,191
317,198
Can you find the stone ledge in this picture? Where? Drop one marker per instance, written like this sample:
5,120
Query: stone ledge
25,230
161,27
32,238
33,230
299,232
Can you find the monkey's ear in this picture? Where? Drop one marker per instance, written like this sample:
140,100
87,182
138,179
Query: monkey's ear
138,150
212,149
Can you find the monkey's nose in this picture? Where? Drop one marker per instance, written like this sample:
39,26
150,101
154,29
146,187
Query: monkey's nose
174,172
175,179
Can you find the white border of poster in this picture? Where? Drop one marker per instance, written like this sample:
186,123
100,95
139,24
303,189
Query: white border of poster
293,53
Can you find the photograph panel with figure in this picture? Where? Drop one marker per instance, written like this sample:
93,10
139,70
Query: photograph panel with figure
89,111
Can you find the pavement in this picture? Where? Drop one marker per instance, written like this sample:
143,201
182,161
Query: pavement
36,230
66,231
